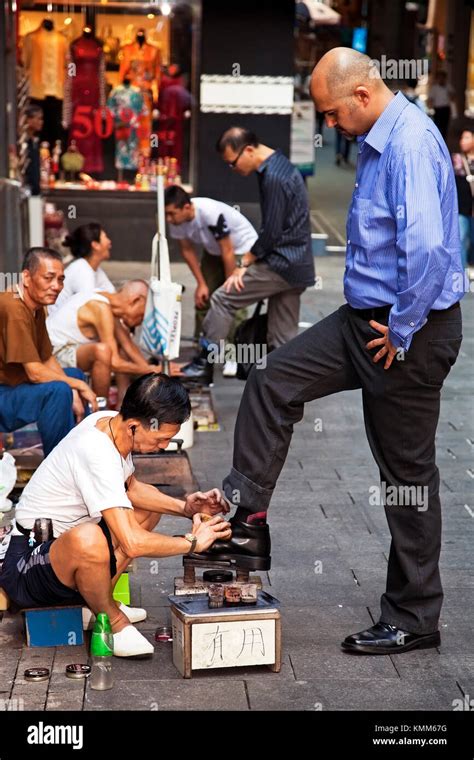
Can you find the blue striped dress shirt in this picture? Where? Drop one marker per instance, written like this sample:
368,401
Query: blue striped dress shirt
284,240
403,243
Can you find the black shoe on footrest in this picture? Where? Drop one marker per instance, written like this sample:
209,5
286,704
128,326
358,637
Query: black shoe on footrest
383,638
249,547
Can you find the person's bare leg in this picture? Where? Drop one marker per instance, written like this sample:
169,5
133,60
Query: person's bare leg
148,521
80,559
96,358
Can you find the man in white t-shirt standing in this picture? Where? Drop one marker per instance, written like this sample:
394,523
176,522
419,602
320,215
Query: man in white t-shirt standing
225,236
102,516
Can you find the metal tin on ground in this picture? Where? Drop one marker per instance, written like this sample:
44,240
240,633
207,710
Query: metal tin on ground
78,670
35,675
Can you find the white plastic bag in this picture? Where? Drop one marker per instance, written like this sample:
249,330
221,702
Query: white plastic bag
7,480
161,331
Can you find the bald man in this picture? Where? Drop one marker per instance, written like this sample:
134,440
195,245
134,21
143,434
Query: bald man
395,338
87,332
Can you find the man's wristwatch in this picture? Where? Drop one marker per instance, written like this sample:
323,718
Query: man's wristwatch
192,540
240,262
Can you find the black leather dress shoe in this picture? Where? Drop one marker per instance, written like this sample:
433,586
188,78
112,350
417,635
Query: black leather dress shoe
249,547
388,639
199,369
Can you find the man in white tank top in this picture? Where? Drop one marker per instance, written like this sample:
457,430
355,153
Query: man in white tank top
86,332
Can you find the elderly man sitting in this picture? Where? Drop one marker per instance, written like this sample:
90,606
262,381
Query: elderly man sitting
87,331
102,515
33,386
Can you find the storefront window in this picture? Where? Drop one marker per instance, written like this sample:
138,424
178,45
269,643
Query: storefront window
114,82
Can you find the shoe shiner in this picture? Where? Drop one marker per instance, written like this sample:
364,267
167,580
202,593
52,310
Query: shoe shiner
395,339
102,515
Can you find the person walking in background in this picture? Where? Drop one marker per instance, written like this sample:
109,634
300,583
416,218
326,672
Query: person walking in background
463,164
343,149
440,97
34,125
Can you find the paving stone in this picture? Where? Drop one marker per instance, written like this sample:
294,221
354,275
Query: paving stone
317,694
327,662
158,695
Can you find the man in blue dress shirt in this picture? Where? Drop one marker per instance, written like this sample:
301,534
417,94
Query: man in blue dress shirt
396,339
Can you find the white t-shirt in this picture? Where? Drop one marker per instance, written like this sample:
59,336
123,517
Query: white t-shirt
213,221
82,477
79,276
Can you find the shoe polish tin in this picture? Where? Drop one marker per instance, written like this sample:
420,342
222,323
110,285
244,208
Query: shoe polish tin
78,670
35,675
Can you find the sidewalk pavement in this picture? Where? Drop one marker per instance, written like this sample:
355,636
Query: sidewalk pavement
329,561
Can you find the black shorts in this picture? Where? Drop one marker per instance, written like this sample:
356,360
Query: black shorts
30,581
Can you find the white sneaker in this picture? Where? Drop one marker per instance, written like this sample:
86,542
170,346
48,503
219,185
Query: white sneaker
130,643
134,614
230,368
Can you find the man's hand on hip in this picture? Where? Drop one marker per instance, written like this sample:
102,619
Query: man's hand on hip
387,348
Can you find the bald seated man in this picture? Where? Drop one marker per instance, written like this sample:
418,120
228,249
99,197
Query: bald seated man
86,332
396,339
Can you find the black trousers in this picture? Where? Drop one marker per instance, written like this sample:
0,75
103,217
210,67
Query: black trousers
401,410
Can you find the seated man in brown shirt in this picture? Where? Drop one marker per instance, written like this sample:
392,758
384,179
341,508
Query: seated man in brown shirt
33,386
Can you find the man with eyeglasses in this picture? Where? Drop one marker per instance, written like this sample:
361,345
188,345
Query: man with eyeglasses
280,263
395,339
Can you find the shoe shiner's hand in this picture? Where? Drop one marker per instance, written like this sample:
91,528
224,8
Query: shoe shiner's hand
387,348
236,280
88,395
209,531
201,296
209,503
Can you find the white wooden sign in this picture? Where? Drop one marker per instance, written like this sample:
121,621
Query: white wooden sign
232,644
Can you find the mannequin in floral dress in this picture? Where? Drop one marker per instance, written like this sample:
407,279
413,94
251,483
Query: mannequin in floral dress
140,62
126,104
